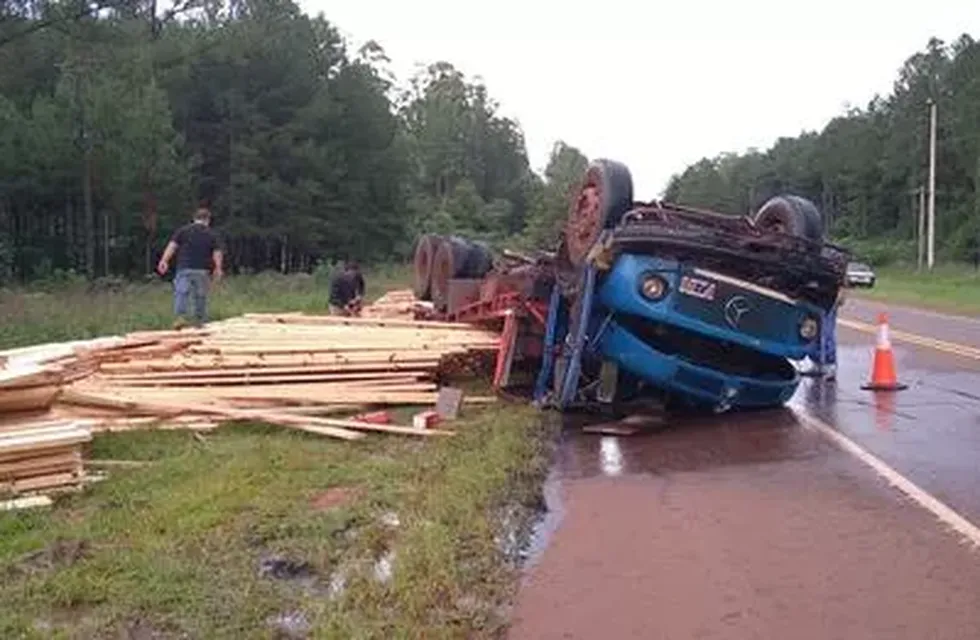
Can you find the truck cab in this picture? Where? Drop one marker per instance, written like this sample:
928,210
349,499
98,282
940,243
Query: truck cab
707,308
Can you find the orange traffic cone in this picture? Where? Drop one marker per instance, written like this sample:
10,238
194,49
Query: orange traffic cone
883,377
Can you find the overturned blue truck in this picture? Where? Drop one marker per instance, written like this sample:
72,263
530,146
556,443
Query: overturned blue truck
648,302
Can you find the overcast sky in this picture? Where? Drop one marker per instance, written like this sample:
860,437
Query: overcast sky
659,85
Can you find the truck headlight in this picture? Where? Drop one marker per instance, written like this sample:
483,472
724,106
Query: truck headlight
809,328
653,287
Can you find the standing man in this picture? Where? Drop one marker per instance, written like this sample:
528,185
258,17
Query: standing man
824,355
347,290
198,252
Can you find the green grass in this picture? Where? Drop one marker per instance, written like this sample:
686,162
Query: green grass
947,288
176,547
80,311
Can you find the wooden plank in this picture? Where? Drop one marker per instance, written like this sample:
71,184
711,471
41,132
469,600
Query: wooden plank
351,334
383,428
247,380
205,365
23,399
32,421
43,450
217,410
258,371
40,482
197,425
26,503
37,441
169,334
31,466
270,349
42,428
27,376
340,320
118,463
133,399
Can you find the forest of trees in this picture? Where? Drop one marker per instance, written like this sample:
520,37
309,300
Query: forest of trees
118,118
864,167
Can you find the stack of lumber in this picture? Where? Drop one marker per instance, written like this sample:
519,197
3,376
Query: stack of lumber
41,456
401,303
279,368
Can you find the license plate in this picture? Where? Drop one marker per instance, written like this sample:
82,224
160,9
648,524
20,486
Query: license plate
698,288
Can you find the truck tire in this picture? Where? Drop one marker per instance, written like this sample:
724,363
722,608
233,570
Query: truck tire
604,196
448,262
791,215
425,250
479,260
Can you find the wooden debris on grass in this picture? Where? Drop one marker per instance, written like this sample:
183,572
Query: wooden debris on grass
289,369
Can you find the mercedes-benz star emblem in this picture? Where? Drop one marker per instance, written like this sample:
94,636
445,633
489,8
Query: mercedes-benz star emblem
735,308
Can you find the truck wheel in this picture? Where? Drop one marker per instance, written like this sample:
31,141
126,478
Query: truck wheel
605,195
449,262
425,250
479,260
791,215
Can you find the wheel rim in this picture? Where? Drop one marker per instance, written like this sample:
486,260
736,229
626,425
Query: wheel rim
584,221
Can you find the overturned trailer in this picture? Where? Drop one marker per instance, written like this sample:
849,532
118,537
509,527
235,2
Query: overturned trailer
649,301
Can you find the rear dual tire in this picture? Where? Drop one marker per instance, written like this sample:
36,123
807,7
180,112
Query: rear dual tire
791,215
440,259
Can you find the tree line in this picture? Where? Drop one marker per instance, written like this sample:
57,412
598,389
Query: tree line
118,119
865,167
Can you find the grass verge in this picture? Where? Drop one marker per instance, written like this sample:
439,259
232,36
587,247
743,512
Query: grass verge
80,311
952,289
264,532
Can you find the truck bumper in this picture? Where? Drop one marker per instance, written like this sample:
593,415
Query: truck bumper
702,385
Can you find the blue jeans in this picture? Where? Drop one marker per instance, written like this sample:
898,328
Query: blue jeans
191,285
825,348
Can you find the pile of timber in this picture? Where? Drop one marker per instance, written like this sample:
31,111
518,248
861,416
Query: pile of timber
41,456
293,370
287,369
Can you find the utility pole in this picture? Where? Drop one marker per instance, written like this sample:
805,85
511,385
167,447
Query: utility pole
922,226
931,245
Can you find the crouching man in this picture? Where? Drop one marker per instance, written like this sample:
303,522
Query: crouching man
347,291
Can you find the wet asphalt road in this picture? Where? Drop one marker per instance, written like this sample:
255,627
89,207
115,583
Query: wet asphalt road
755,526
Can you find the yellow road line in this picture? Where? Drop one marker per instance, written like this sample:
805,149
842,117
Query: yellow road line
953,348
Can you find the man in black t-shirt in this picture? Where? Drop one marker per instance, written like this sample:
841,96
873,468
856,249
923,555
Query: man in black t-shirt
198,252
347,290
